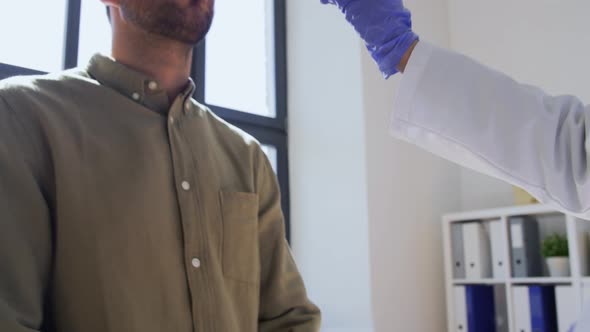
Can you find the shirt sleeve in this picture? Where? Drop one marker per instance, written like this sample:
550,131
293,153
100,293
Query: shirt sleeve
477,117
25,249
284,305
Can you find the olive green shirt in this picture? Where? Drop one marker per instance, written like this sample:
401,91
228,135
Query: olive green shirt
122,212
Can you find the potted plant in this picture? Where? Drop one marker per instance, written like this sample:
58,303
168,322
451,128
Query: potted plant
556,252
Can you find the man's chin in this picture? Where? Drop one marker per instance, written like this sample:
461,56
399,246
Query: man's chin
173,23
186,35
189,41
190,38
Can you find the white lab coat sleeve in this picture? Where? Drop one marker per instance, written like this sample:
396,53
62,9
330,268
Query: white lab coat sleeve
456,108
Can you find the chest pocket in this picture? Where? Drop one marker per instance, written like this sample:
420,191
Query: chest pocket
241,259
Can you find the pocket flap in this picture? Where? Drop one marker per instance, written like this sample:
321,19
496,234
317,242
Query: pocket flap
239,206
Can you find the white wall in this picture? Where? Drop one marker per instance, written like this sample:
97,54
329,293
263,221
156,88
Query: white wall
328,164
540,42
408,192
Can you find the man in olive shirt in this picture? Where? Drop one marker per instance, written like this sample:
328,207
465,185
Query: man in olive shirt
127,206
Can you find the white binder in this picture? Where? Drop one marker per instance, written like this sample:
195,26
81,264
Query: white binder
584,320
522,309
460,300
586,292
477,251
568,307
499,245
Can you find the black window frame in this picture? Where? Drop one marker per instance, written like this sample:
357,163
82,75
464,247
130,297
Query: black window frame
269,131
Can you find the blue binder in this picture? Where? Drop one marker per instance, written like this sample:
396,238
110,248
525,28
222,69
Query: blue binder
543,309
481,310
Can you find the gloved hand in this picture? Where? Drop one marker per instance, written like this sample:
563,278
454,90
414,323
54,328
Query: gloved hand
384,25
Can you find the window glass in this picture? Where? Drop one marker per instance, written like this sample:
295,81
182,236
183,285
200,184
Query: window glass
34,33
239,62
95,31
271,153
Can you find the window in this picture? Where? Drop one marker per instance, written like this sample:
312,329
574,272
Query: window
240,69
23,24
271,153
95,31
240,57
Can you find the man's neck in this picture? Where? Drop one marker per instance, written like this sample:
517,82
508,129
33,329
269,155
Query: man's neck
167,61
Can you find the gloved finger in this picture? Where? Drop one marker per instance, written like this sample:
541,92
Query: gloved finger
339,3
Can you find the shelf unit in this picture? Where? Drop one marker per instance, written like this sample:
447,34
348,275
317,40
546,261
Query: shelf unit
541,281
576,229
459,282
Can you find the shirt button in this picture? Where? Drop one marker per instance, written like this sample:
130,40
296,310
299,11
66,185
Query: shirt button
152,85
186,186
187,105
135,96
171,120
196,263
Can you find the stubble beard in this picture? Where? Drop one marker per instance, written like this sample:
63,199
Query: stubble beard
166,19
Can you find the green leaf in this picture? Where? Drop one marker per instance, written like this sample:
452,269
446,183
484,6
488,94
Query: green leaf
555,245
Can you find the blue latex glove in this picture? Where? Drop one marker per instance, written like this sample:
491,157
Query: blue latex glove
384,25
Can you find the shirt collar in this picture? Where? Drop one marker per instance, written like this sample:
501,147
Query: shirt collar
132,83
